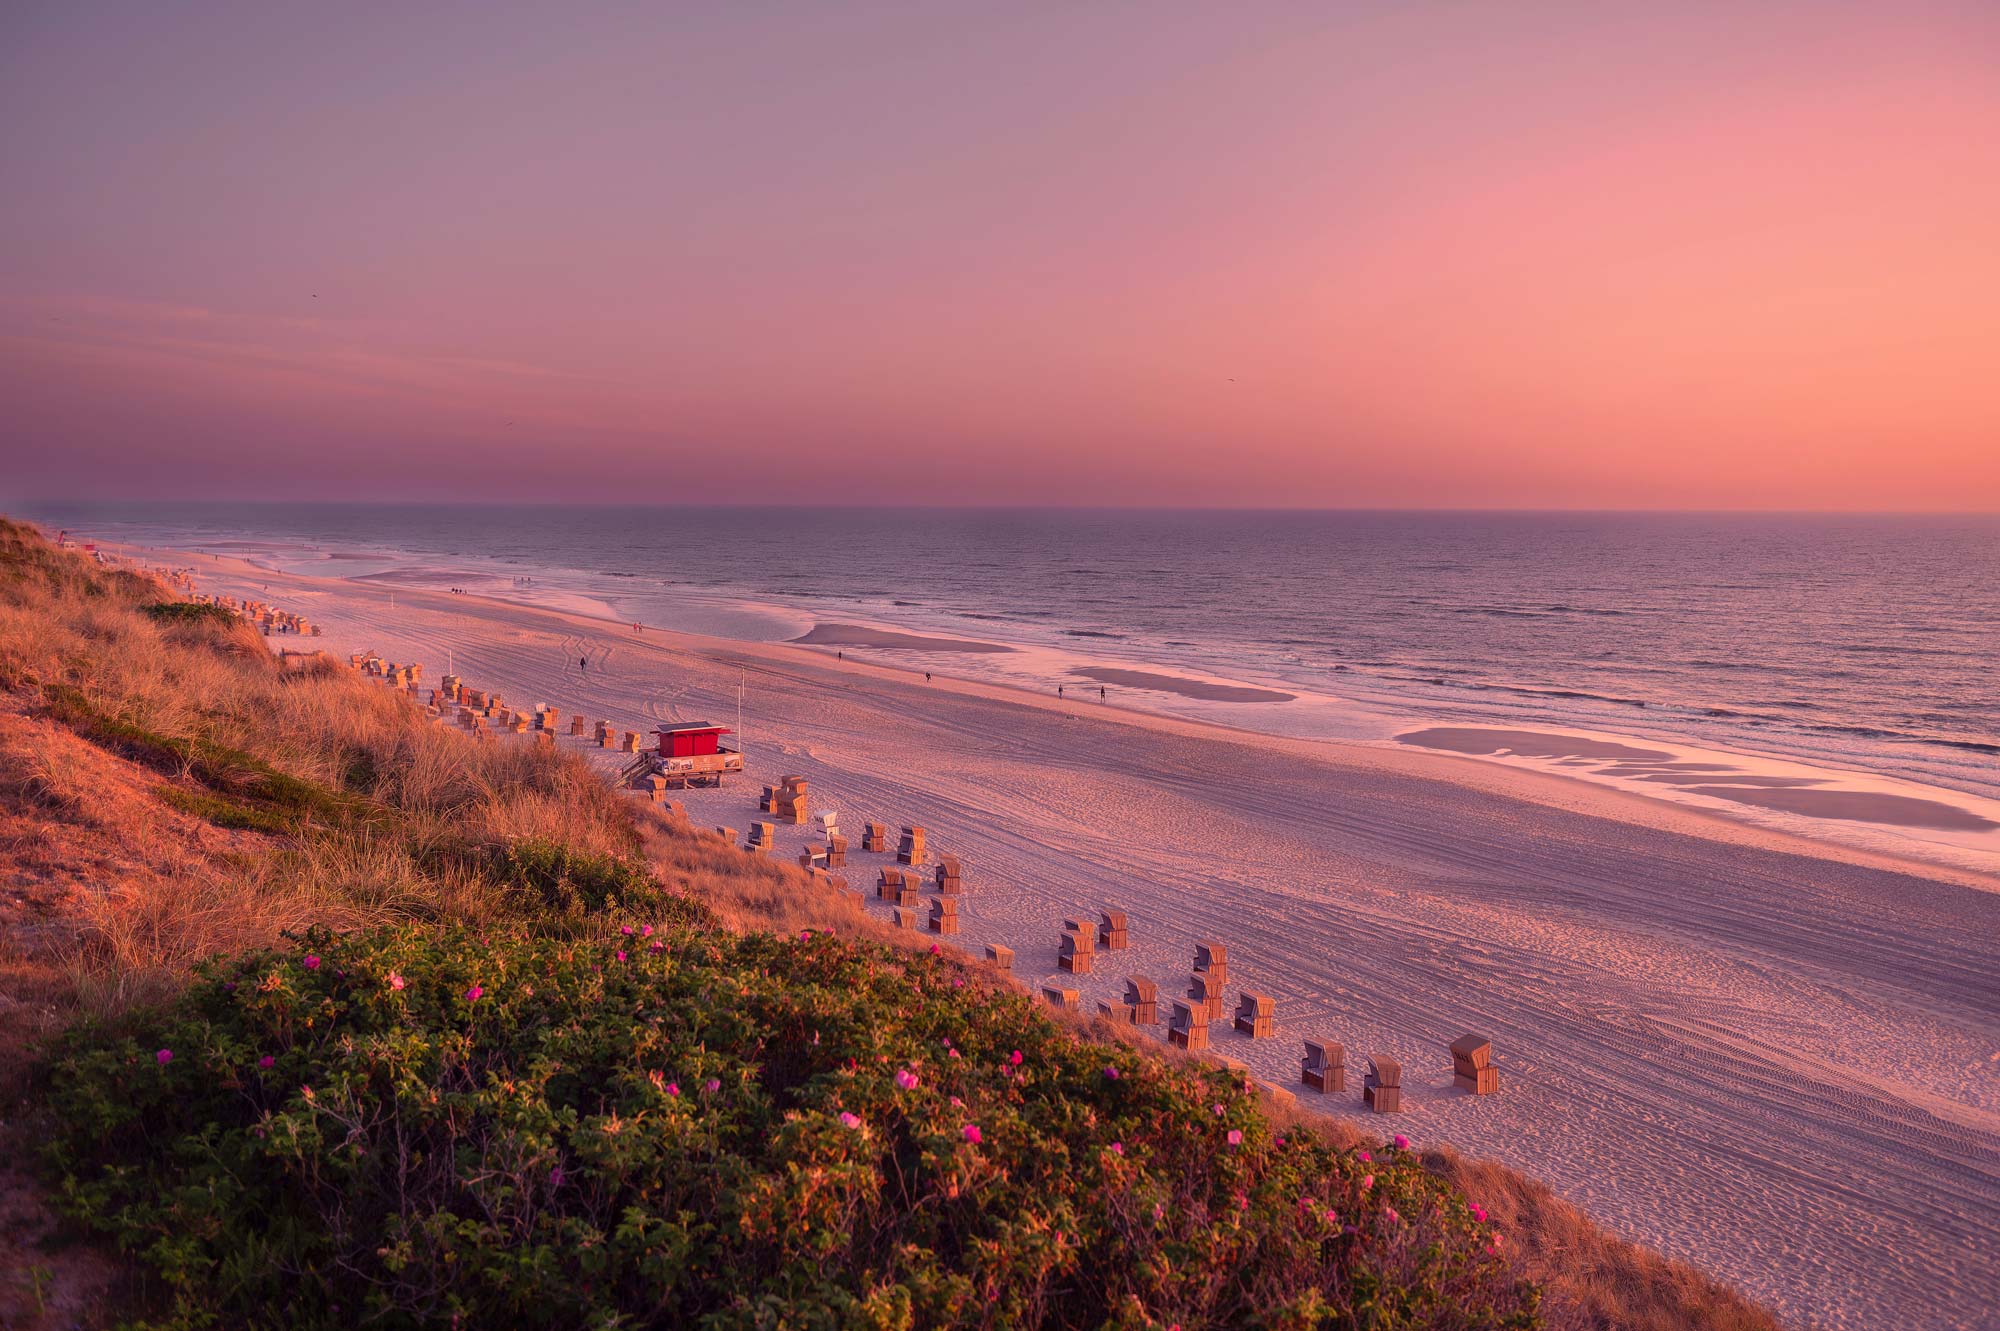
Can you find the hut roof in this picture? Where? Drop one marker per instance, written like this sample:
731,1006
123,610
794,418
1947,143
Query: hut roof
1471,1046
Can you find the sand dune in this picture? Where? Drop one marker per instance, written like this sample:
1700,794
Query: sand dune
1779,1062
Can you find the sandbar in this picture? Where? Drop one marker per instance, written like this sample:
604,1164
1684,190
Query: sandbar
1206,690
858,635
1484,741
1805,796
1857,806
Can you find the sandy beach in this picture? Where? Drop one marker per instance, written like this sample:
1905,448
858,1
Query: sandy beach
1776,1059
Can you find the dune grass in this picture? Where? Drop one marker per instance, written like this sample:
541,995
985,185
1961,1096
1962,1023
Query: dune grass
365,813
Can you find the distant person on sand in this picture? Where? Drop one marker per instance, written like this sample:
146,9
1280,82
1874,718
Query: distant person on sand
1059,690
583,663
927,676
1100,691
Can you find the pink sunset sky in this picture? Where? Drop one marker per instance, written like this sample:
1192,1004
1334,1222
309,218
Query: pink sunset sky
1412,255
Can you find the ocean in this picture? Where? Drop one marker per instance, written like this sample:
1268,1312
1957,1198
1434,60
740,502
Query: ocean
1861,642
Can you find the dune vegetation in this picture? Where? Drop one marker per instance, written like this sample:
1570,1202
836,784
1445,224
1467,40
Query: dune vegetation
334,1017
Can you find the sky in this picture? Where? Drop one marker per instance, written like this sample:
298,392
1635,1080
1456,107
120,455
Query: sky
1330,255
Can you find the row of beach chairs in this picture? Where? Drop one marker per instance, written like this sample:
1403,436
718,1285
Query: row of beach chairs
1323,1066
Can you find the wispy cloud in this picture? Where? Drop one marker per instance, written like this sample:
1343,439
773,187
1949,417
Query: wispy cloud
340,356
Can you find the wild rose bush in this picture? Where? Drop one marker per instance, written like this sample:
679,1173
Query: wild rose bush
423,1127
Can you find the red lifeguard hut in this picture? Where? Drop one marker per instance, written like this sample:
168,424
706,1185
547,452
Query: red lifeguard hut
696,739
691,754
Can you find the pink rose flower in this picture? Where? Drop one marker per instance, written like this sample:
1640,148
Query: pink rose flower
395,980
1367,1182
907,1079
1235,1137
673,1088
714,1085
312,963
474,994
972,1133
267,1062
1402,1142
164,1057
850,1120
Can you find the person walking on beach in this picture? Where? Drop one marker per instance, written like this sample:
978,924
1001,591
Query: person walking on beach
927,676
583,663
1059,690
1100,692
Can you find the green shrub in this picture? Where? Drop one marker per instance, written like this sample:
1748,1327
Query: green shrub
553,875
188,612
420,1127
225,812
228,771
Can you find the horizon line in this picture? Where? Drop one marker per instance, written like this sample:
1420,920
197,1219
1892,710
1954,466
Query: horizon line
807,505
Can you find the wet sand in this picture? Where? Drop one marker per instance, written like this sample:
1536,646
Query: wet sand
1803,795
